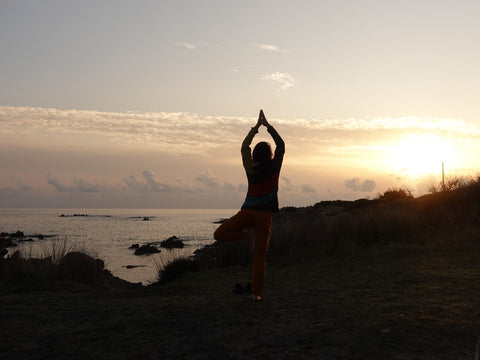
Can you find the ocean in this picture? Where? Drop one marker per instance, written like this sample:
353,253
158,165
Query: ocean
108,234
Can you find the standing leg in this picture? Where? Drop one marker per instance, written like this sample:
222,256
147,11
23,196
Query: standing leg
263,229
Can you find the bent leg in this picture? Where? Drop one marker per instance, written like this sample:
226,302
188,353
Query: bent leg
233,228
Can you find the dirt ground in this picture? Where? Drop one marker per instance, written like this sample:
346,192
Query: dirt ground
388,303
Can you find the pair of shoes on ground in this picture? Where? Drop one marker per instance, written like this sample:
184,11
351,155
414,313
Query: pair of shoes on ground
239,289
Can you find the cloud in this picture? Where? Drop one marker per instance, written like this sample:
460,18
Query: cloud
268,47
187,45
148,183
287,186
360,186
78,147
58,186
179,133
196,134
306,188
79,185
285,80
84,186
208,179
156,186
20,185
204,182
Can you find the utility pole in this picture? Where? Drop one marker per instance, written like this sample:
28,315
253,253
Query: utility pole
443,177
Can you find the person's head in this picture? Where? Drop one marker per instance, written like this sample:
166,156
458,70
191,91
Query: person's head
262,152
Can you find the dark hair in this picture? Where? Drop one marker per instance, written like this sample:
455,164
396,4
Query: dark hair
262,152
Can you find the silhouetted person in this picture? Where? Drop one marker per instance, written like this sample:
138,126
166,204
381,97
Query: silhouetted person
263,171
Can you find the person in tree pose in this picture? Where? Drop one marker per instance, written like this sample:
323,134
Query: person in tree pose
263,170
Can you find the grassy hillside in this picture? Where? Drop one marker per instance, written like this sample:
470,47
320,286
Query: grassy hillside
446,219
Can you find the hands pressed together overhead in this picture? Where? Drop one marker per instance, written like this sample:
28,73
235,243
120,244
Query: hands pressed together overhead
262,120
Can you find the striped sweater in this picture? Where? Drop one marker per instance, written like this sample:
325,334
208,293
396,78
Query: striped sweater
262,177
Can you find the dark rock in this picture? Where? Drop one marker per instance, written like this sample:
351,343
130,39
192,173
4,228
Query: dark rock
220,221
147,250
134,246
172,243
15,235
79,267
134,266
6,242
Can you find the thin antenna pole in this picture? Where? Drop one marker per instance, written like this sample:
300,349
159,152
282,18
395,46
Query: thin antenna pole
443,177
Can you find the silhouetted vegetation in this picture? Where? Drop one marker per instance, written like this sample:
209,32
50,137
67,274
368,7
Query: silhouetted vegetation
396,194
442,218
61,262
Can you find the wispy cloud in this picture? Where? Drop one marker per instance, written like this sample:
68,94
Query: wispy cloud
285,80
170,132
179,127
193,134
268,47
20,185
186,45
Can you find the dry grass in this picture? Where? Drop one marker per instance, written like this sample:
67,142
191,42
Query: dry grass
52,261
341,228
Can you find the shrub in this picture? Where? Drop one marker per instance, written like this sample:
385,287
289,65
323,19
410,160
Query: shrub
396,194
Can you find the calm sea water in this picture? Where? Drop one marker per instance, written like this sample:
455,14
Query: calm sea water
110,232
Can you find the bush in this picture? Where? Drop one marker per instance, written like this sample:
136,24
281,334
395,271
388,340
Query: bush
396,194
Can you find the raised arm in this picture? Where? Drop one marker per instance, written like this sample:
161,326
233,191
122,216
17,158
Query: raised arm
246,151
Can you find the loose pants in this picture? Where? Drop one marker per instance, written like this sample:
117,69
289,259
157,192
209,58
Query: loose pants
234,229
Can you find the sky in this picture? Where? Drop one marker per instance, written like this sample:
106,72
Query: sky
122,104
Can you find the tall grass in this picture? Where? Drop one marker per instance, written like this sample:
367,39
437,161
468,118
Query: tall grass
448,217
55,260
56,249
219,254
397,218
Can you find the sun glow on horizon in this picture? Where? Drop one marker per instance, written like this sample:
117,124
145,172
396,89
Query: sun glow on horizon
422,154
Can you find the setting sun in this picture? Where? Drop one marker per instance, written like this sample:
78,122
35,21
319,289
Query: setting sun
421,154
